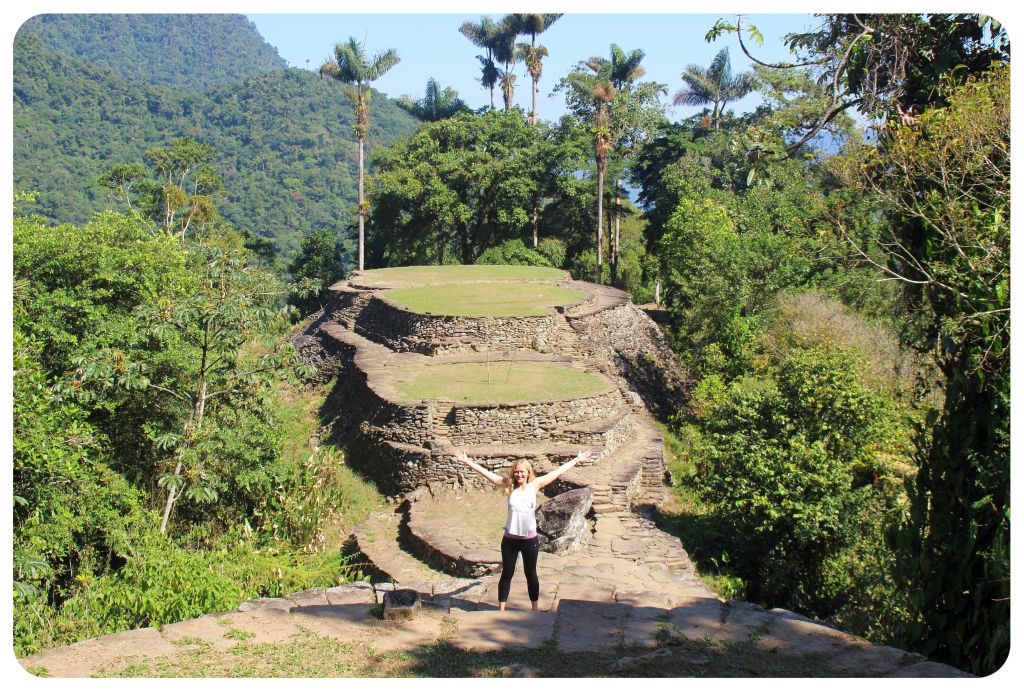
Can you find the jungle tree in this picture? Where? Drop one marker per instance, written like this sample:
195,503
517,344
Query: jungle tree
531,53
940,163
483,35
715,84
351,66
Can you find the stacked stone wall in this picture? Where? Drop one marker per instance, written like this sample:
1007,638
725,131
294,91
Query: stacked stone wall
627,338
517,423
404,331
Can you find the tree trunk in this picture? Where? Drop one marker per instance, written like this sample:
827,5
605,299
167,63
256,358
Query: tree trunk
533,108
533,219
192,427
362,211
600,218
615,236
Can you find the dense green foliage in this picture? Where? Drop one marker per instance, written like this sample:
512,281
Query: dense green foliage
951,242
457,187
137,380
281,141
186,51
845,448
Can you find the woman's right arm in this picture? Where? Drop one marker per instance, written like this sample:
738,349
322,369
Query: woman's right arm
490,475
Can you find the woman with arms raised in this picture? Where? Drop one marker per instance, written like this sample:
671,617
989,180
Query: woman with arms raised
521,487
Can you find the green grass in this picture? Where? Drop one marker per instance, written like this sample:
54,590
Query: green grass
497,382
314,656
521,299
351,498
398,277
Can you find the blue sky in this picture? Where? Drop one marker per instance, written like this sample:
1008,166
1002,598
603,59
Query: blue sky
430,45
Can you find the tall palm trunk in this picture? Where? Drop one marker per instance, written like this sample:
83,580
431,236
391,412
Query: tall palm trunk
362,121
362,210
601,163
615,235
532,120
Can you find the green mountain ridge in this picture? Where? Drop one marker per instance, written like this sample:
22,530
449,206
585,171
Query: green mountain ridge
186,51
283,138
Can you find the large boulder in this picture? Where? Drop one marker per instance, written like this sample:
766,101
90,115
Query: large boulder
562,521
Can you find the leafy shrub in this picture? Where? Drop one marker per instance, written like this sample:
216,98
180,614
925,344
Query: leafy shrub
161,582
811,318
552,249
785,448
514,252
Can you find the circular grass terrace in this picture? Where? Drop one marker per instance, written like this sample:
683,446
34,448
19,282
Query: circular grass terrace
500,381
499,299
472,290
409,276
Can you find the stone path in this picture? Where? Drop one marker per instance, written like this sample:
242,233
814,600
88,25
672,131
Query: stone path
629,587
468,621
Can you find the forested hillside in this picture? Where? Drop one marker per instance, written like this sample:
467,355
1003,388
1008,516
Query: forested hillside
282,140
185,51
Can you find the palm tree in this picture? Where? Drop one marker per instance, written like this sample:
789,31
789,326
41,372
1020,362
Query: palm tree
625,70
595,90
504,50
715,85
436,104
531,53
350,66
483,35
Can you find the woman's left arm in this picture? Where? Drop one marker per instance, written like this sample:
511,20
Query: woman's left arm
544,480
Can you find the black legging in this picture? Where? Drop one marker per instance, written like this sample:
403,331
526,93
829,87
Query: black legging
510,548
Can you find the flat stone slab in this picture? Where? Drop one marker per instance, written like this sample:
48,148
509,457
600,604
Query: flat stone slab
929,670
343,595
341,622
267,603
586,625
411,634
493,630
796,635
316,596
585,590
256,626
873,661
83,658
643,625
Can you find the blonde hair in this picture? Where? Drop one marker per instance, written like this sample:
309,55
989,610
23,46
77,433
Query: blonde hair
510,481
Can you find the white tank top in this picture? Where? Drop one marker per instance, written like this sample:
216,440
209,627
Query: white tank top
522,507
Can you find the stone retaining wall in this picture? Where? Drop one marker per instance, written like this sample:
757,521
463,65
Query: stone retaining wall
517,423
404,331
631,342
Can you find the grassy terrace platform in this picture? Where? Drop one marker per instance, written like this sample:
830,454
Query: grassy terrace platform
408,276
501,381
501,299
